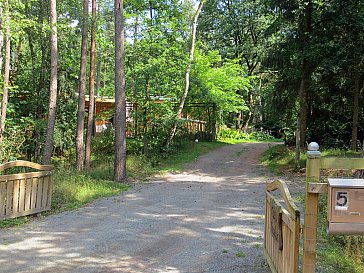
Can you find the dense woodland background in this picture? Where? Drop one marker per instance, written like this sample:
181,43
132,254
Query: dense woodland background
282,67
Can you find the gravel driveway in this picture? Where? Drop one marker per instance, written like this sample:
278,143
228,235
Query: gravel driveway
209,218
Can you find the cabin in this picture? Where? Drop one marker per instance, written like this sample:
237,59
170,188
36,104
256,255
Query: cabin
105,108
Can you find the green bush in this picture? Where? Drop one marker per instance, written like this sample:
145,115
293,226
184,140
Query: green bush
228,133
261,136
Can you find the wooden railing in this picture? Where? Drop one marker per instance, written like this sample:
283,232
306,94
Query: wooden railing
282,230
25,193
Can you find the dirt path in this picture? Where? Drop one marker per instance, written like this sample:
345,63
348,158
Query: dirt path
206,219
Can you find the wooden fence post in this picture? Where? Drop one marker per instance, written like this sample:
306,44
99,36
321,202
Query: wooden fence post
311,207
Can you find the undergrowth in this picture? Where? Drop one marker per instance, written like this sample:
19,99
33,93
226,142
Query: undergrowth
336,253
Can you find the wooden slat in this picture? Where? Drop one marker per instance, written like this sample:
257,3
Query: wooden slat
2,197
23,163
28,191
288,220
317,187
22,195
33,198
270,262
341,163
9,197
49,193
39,193
24,213
16,187
45,190
25,175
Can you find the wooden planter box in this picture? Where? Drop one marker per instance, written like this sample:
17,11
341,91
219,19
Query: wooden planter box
25,193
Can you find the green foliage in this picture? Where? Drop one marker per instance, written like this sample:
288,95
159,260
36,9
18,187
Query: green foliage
223,83
228,133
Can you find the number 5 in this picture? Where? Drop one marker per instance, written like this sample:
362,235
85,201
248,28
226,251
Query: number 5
341,198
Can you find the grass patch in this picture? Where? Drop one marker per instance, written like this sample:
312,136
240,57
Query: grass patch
337,253
13,222
73,190
240,254
187,152
280,158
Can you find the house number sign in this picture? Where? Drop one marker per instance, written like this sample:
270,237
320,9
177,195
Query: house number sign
342,200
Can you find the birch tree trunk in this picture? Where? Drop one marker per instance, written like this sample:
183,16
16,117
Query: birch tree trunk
120,103
82,91
91,107
188,70
4,102
48,148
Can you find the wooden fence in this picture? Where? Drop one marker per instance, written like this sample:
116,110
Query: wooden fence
25,193
197,129
314,187
282,230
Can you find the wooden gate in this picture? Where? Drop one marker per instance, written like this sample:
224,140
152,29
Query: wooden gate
25,193
282,230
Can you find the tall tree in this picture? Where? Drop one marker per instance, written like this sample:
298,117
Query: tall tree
82,92
354,130
90,119
4,102
48,148
1,39
120,103
188,71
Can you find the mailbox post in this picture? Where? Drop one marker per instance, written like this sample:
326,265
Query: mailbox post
311,208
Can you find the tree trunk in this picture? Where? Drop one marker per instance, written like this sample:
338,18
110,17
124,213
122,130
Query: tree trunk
145,119
251,113
90,119
98,69
4,103
32,56
187,77
305,31
303,93
1,40
120,103
82,91
354,135
48,148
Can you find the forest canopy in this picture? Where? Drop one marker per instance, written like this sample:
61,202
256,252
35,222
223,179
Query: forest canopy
284,67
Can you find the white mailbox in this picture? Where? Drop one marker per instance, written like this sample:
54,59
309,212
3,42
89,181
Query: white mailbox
345,206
